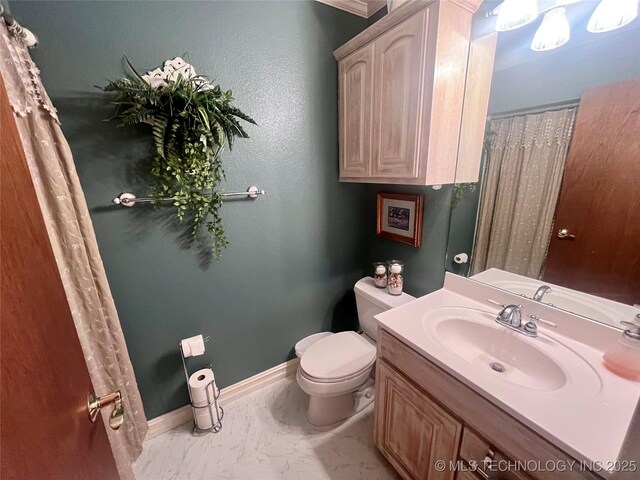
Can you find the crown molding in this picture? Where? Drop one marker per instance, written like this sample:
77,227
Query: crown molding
362,8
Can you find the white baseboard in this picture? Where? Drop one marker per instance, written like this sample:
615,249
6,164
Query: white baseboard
182,415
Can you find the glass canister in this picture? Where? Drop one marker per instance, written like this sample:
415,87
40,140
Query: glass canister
380,274
395,281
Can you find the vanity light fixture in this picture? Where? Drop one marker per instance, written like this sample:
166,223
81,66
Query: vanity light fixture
612,14
515,14
553,32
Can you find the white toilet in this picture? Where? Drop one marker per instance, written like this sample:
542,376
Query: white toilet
334,367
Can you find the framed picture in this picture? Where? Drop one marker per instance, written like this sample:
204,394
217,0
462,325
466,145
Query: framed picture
400,217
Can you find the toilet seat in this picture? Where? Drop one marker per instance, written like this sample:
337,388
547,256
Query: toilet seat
338,358
336,380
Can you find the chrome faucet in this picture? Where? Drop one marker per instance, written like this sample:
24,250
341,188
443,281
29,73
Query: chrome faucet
511,316
540,292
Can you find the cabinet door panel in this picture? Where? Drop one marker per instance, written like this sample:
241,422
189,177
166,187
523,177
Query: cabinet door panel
465,475
398,71
356,75
412,431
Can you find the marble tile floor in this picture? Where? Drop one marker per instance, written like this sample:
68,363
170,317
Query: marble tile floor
265,436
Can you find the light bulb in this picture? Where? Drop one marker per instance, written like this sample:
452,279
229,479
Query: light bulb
612,14
553,32
516,13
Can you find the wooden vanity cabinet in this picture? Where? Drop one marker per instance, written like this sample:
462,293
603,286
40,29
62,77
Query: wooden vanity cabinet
411,430
424,415
412,86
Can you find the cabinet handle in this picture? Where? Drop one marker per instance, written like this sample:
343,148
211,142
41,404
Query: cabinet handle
487,463
483,474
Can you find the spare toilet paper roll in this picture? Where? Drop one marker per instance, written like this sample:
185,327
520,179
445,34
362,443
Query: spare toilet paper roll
461,258
193,346
199,383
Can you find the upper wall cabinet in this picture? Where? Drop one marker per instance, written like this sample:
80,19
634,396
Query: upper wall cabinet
413,96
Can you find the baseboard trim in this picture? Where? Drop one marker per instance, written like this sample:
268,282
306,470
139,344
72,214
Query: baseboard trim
182,415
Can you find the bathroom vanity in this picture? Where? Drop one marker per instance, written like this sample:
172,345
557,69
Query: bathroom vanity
459,396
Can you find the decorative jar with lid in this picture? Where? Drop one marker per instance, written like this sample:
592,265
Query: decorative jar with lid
395,281
380,274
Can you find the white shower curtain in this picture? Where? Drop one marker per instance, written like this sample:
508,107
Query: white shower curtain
74,244
520,191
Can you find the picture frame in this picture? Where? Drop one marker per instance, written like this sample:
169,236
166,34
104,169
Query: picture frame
400,217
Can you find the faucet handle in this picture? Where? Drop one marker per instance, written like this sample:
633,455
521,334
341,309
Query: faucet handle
633,327
532,327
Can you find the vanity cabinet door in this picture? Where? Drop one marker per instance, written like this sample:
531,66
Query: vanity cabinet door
398,65
410,430
465,475
355,74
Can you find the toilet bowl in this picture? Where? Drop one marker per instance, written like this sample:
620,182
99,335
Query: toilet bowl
333,368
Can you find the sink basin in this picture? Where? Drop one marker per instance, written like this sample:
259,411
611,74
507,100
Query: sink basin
487,348
514,359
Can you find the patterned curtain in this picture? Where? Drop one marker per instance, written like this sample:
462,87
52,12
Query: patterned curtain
74,244
521,187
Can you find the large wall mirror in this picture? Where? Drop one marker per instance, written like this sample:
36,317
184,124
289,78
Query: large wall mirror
556,213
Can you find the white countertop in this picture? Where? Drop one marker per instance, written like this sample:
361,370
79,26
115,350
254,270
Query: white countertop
588,423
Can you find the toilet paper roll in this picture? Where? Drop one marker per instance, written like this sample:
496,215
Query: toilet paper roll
461,258
192,346
200,383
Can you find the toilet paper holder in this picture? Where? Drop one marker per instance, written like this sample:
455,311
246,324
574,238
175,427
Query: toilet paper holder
212,400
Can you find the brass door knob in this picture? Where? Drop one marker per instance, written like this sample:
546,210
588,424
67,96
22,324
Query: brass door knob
564,233
94,404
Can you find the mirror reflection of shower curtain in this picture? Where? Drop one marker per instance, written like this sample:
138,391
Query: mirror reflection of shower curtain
524,173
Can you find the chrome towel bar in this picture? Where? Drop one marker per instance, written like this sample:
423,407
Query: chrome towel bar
127,199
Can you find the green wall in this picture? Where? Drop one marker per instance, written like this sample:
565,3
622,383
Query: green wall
425,266
294,254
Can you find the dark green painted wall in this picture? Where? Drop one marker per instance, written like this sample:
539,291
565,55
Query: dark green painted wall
294,254
424,267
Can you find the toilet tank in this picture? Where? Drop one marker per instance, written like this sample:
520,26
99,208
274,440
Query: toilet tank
371,301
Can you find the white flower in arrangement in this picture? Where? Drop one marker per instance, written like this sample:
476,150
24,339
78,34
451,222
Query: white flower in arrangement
171,70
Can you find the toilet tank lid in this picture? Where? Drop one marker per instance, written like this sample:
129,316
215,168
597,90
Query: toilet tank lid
367,288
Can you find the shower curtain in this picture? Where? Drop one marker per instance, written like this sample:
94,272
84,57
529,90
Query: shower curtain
521,187
74,243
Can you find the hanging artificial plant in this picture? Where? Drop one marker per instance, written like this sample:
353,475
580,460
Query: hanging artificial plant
192,121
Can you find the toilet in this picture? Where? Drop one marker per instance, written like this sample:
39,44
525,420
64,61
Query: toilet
333,367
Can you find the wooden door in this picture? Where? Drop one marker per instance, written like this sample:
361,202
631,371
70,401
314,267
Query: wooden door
410,430
355,74
46,432
399,59
599,203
